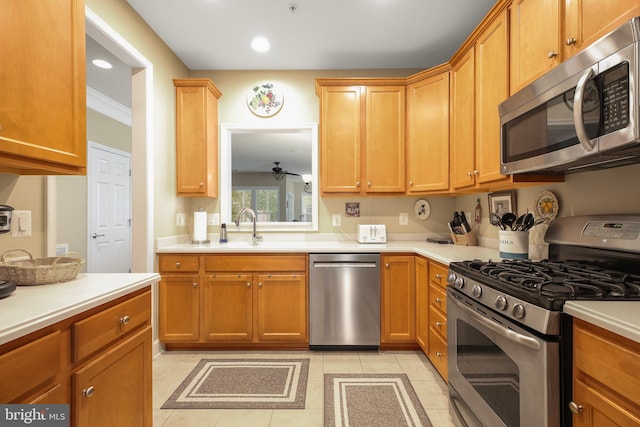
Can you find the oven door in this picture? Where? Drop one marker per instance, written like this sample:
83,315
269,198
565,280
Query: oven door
499,373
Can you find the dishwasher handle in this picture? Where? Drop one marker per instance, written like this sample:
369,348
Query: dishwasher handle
344,264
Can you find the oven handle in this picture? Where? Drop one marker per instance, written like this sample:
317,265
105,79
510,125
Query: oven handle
507,333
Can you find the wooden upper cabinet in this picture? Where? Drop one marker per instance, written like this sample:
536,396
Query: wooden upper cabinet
463,122
588,20
428,133
491,88
362,137
196,137
43,86
534,40
340,138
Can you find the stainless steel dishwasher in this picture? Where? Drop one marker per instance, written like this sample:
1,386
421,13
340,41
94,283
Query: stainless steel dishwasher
344,301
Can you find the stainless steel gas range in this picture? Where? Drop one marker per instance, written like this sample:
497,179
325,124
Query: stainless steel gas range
509,344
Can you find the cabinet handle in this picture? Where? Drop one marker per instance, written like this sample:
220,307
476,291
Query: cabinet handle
439,324
358,184
552,54
177,265
248,284
570,41
410,183
124,320
195,285
386,265
369,184
259,284
438,276
469,173
576,408
476,172
438,300
88,392
439,354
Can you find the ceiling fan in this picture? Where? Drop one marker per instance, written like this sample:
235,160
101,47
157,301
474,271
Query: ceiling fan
279,173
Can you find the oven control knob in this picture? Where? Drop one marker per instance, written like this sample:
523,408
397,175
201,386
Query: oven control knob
476,291
501,302
518,311
459,282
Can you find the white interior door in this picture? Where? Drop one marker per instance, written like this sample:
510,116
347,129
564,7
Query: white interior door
109,222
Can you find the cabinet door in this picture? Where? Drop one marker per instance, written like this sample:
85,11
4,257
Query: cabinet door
422,303
43,113
491,88
179,307
115,388
599,408
398,299
534,40
428,135
588,20
462,122
341,125
228,307
384,139
282,307
196,138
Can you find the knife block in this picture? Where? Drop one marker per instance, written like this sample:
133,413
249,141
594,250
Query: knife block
468,239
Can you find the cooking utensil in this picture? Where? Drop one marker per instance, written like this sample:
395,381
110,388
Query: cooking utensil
495,220
528,222
508,219
517,226
538,222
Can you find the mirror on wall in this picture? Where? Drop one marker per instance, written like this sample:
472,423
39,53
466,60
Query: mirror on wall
272,170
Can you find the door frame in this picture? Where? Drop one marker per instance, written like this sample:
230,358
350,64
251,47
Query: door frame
142,160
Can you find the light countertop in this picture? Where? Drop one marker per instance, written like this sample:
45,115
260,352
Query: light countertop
31,308
619,317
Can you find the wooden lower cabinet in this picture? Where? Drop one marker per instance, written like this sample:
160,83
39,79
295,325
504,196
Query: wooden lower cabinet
398,299
422,303
605,380
437,352
98,361
115,388
234,300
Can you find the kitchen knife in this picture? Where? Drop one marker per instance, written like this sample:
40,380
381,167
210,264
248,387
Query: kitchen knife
465,225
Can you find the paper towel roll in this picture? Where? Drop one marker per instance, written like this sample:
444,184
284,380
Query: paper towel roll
199,227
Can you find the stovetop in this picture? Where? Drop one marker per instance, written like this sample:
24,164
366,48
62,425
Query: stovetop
550,283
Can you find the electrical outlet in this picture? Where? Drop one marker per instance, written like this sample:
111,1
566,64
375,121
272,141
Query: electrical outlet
403,219
213,219
336,220
181,219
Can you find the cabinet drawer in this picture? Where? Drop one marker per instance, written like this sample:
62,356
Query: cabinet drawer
438,353
438,321
101,329
608,358
29,366
255,263
179,263
438,274
438,297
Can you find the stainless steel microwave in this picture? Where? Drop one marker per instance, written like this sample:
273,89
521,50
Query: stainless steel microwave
581,115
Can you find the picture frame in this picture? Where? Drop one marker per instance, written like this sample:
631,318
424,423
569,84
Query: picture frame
501,202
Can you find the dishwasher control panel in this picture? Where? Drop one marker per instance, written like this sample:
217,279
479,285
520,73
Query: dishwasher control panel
371,233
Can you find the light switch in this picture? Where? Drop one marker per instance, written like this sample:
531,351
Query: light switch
213,219
403,219
21,224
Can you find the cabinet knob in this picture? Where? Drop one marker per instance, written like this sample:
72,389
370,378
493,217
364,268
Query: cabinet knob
177,265
248,284
570,41
358,184
259,284
124,320
386,265
88,392
476,172
369,184
439,354
410,183
202,184
195,285
438,300
438,276
576,408
469,173
552,54
439,324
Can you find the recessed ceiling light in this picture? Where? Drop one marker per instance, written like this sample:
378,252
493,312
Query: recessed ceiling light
260,44
101,63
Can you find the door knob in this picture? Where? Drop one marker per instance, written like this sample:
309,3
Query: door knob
95,235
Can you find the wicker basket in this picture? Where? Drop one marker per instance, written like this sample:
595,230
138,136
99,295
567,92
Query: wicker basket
40,271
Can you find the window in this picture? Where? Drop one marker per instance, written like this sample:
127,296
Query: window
263,200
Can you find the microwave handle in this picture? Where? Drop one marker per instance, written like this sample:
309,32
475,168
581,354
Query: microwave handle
581,131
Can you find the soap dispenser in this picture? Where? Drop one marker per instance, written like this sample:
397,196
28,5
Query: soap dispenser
223,233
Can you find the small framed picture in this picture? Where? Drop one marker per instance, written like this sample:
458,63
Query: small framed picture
502,202
352,209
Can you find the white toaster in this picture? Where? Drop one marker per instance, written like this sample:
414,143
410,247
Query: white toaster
371,233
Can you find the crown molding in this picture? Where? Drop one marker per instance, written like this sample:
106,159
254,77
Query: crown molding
104,105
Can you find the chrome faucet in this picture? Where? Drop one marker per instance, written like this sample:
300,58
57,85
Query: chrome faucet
255,239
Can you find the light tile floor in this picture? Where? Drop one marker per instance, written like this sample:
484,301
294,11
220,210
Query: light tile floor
170,368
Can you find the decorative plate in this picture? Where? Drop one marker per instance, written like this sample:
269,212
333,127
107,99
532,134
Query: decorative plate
422,210
264,100
546,205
